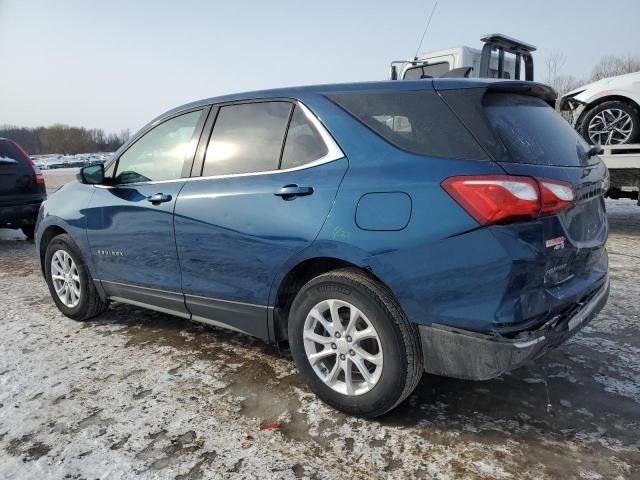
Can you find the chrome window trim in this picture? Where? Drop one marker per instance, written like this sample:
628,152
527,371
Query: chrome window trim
334,152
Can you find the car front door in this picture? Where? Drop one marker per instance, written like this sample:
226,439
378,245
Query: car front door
130,218
259,201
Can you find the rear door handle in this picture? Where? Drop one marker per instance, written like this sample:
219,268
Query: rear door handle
290,192
159,198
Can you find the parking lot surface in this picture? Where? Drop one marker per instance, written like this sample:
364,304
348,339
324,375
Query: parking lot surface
135,392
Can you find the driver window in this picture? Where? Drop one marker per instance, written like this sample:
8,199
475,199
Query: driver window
160,153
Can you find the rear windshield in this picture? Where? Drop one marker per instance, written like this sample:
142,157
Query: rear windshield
9,154
532,131
416,121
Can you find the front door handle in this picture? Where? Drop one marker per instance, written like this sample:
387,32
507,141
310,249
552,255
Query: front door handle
158,198
290,192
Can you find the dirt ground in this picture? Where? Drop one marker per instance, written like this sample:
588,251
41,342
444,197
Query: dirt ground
138,393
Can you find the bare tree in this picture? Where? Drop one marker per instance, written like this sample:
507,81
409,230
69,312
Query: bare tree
610,66
554,63
565,83
560,82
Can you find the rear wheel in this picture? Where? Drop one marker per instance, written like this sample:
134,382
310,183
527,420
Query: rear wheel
69,280
353,345
611,123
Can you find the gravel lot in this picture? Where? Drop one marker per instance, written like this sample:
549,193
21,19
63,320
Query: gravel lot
141,393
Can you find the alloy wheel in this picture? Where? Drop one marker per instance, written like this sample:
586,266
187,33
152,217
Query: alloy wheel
343,347
612,126
65,278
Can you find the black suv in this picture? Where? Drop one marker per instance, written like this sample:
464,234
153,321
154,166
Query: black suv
22,188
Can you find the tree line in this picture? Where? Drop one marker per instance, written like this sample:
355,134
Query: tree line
64,139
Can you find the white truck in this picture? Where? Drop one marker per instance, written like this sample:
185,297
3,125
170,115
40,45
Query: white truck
501,57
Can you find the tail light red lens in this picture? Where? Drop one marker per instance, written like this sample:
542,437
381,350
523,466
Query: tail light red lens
492,199
555,196
36,170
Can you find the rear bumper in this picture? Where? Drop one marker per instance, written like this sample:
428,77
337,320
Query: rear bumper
15,216
470,355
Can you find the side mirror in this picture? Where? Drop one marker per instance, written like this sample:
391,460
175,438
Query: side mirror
92,174
595,150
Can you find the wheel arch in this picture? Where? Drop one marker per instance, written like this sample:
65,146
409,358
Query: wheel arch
296,277
48,234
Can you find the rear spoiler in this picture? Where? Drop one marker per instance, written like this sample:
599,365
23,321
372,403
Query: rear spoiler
544,92
533,89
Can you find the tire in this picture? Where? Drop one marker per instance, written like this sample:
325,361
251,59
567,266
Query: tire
89,303
29,231
398,339
607,112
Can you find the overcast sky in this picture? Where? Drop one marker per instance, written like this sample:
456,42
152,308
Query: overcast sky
115,64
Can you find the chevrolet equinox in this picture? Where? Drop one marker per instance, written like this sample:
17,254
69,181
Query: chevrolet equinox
452,226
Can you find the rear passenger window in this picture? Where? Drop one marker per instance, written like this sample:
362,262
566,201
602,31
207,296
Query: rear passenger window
304,144
247,138
416,121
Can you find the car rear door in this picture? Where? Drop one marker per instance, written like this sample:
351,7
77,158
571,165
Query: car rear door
130,220
256,204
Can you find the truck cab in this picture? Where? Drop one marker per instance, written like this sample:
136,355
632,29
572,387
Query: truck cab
500,57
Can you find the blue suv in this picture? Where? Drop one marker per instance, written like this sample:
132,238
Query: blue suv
452,226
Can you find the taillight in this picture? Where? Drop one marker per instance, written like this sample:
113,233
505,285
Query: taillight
36,170
491,199
556,195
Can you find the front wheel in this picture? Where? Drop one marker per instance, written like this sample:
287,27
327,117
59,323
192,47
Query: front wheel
69,280
353,345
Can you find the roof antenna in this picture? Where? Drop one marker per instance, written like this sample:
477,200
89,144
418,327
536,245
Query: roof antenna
425,29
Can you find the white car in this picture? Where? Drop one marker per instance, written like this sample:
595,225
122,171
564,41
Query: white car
607,111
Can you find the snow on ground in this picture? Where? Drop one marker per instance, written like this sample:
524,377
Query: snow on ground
139,393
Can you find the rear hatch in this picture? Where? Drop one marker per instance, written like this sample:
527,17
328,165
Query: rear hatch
20,181
519,129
